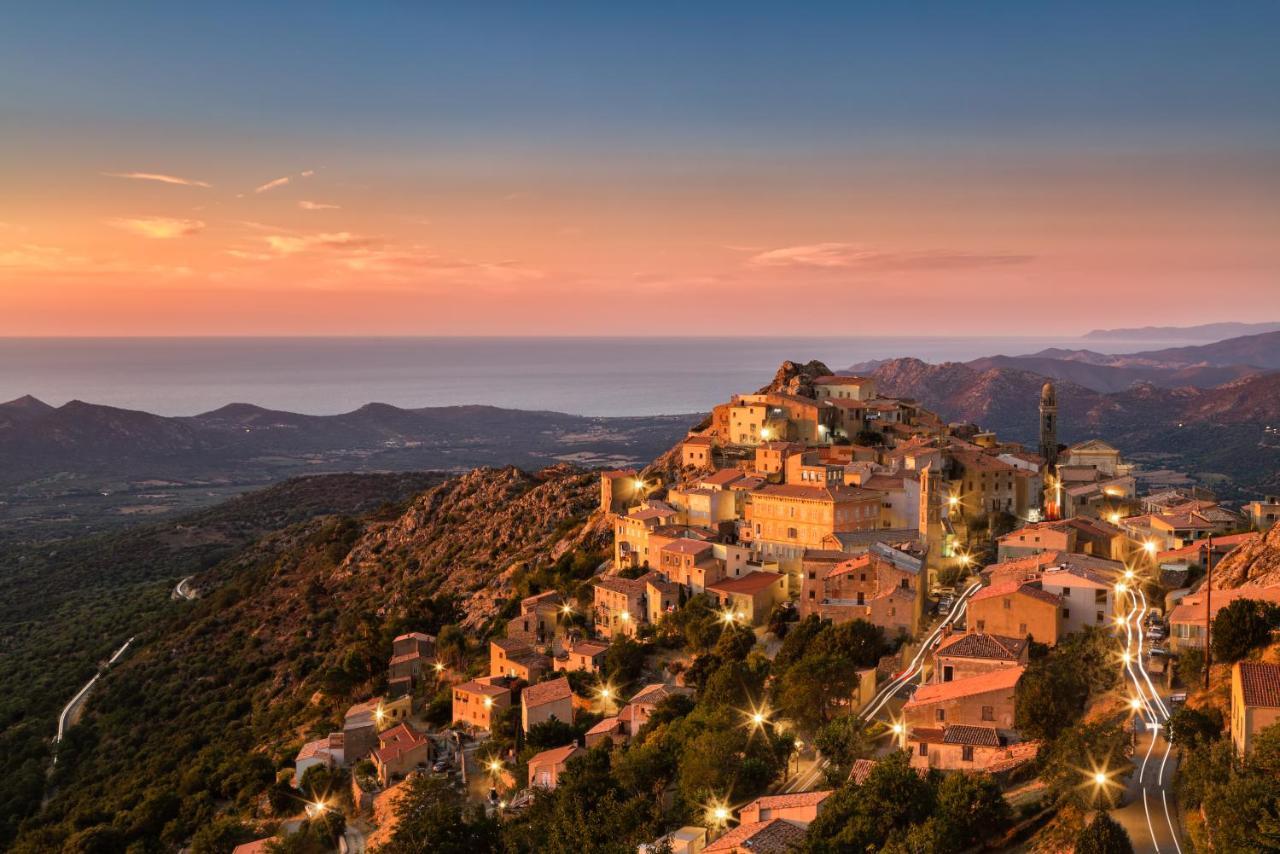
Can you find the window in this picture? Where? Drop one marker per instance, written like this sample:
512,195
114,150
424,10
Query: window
1066,613
966,753
1099,597
1100,618
924,748
791,532
940,714
988,713
1022,629
1008,603
811,594
982,625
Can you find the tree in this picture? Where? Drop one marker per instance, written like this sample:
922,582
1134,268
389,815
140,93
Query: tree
550,733
1103,835
624,661
430,816
843,740
451,646
810,691
970,809
1076,753
1188,727
1242,627
220,836
862,818
1190,668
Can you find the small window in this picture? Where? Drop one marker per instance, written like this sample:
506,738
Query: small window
982,625
988,713
1066,613
1022,629
966,753
940,714
924,748
1008,603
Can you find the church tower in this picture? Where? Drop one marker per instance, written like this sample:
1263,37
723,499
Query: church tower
1049,426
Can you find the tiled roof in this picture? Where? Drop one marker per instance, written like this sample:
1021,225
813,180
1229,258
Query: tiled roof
509,645
842,380
1075,576
817,493
554,756
782,802
1003,679
1260,684
419,636
753,582
628,586
477,687
983,645
1007,588
686,546
723,477
776,836
605,725
653,694
979,736
979,461
547,692
1191,607
589,647
697,440
861,770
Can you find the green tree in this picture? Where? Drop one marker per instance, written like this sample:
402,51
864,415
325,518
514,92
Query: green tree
1242,627
861,818
843,740
550,733
624,661
813,688
220,836
1076,753
1188,727
970,809
1190,667
431,816
1103,835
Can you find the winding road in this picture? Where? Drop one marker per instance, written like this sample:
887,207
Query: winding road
1149,817
807,779
72,709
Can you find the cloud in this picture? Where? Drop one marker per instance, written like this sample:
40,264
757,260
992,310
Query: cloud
288,244
31,256
317,206
271,185
308,173
851,256
154,176
159,227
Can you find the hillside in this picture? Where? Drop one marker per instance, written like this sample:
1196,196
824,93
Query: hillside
1221,431
1202,332
68,606
295,626
83,466
1253,564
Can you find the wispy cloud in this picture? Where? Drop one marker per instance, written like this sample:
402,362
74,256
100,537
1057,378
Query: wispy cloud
155,176
159,227
308,173
851,256
272,184
317,206
31,256
289,244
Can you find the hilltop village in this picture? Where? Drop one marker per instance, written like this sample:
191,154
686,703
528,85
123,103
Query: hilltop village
821,603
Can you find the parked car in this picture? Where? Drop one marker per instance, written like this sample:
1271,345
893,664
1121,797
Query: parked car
1158,652
440,766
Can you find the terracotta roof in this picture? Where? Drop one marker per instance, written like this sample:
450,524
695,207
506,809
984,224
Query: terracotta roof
723,477
605,725
686,546
883,482
554,756
257,846
397,741
550,691
477,687
860,562
782,802
817,493
651,695
1007,588
983,645
311,748
697,440
1075,576
629,586
979,461
979,736
646,513
753,582
1191,608
508,645
861,770
776,836
421,636
842,380
589,647
1260,684
1003,679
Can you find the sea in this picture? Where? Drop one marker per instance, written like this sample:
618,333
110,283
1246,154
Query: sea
321,376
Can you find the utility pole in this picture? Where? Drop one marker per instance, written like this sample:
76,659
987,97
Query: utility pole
1208,612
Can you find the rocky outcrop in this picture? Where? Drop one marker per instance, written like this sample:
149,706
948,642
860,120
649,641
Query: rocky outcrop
796,378
1252,564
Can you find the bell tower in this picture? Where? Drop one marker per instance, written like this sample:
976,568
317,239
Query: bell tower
1049,425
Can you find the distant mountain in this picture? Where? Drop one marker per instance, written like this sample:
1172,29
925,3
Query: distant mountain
1107,378
1203,332
62,464
1229,430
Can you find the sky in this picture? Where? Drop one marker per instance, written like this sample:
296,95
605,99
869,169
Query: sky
637,168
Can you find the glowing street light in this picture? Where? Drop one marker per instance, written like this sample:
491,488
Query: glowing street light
718,814
953,501
1121,587
1099,778
439,666
898,728
966,560
1149,547
606,693
625,616
1135,704
488,702
1114,518
317,807
1129,574
728,617
566,609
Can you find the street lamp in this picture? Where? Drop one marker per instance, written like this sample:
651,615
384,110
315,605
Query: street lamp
1135,704
1149,547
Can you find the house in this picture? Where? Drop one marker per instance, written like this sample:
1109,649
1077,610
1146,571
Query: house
781,521
691,563
1187,619
514,658
985,700
775,836
619,605
635,714
1255,702
956,747
400,750
687,840
585,655
879,585
771,457
751,597
984,483
631,532
411,654
1016,609
360,728
479,701
1264,513
695,452
546,700
974,653
1095,454
327,752
257,846
847,388
800,808
703,506
538,624
1087,597
661,596
545,767
618,489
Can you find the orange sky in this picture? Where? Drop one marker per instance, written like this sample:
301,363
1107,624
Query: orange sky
415,171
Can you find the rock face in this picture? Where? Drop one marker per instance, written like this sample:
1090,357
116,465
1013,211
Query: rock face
1253,564
795,378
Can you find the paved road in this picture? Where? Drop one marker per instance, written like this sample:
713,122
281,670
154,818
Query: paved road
71,711
1150,814
184,590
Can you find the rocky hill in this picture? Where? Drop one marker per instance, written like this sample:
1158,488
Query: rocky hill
288,631
1228,431
1254,564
